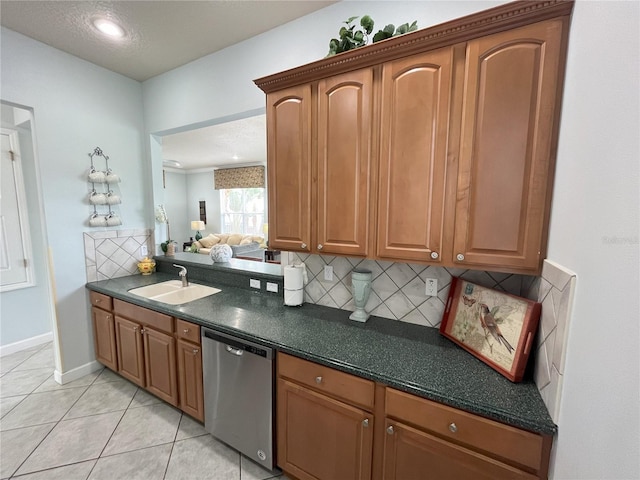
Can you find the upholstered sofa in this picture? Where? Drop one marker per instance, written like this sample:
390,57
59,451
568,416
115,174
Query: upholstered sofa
250,246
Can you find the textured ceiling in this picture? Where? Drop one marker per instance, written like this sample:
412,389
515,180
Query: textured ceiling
217,145
161,35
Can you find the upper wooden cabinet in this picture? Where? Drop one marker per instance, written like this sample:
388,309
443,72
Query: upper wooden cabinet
289,168
344,155
413,153
437,146
510,110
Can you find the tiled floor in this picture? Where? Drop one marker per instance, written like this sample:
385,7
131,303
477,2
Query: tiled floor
101,427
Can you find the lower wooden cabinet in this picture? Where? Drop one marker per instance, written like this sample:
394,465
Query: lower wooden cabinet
190,379
104,337
330,423
411,453
155,351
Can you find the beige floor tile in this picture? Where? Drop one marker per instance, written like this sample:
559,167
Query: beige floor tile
9,362
250,470
73,441
144,427
50,384
77,471
18,444
143,398
23,382
107,375
39,408
203,457
41,359
146,464
8,403
189,428
103,398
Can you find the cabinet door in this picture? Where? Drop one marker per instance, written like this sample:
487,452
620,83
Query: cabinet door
321,438
411,453
507,149
289,168
130,352
413,154
104,338
190,379
160,365
345,115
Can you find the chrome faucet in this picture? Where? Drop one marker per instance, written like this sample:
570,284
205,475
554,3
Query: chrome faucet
183,275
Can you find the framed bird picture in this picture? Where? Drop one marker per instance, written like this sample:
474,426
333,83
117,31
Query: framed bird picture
494,326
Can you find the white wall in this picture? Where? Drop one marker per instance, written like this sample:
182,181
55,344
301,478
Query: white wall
594,232
31,303
77,106
175,195
596,194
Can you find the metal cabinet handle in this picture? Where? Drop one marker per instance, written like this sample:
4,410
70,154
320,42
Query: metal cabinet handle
453,428
195,350
234,351
108,317
135,329
186,330
318,380
434,255
365,422
303,245
460,257
319,246
142,331
97,300
390,430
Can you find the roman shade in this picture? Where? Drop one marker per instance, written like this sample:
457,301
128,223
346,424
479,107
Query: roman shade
243,177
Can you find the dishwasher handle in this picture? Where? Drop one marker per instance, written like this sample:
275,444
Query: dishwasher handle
234,351
236,345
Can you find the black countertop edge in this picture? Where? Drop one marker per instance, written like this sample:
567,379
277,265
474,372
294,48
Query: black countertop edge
542,422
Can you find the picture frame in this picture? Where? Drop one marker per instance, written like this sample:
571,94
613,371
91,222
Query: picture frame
496,327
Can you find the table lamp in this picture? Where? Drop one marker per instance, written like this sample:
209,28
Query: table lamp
197,225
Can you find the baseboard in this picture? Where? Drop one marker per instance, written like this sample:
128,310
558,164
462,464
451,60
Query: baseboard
76,373
24,344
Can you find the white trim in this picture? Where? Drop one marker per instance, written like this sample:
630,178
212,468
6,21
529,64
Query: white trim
24,344
76,373
23,217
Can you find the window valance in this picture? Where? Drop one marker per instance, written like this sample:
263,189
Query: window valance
243,177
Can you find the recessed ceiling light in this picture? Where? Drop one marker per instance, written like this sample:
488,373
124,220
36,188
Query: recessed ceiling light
108,27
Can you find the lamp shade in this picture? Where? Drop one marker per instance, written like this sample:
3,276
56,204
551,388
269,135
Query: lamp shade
197,225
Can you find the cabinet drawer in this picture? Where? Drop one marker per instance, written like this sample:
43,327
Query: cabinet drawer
348,387
497,439
188,331
159,321
101,301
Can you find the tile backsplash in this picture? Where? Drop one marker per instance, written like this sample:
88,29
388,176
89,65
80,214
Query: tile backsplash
397,289
114,253
555,290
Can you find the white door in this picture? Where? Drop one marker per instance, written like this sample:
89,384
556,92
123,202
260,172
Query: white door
15,247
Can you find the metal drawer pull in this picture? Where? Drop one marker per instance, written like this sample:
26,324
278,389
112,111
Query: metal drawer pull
390,429
195,350
318,380
304,245
186,330
365,422
453,428
234,351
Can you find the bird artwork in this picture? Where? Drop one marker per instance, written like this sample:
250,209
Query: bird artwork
490,325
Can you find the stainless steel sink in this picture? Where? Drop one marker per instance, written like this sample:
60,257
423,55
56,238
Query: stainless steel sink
173,293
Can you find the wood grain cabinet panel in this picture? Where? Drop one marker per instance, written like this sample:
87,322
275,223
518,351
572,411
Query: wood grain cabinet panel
322,438
344,127
130,350
190,379
507,150
411,453
160,365
413,153
289,168
104,338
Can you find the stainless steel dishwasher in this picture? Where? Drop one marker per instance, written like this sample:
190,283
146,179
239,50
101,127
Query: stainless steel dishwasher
238,394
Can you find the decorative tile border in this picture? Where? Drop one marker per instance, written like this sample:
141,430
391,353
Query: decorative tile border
114,253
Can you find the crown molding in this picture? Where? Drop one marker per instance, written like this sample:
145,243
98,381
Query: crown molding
487,22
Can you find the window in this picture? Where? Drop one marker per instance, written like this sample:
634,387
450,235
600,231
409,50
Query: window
242,210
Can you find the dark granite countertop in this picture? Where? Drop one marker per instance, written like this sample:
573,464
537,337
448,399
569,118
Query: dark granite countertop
408,357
